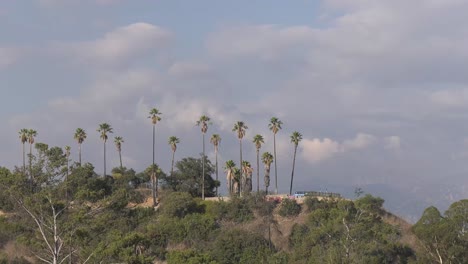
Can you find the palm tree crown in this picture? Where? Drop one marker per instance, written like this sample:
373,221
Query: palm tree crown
215,140
296,137
267,158
203,123
67,151
118,143
173,141
105,129
80,135
258,141
240,128
23,135
154,115
275,125
31,135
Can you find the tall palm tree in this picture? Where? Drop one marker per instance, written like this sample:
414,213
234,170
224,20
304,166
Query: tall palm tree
296,137
23,135
80,136
173,141
203,124
258,141
67,155
275,126
155,117
239,128
267,159
118,144
31,135
246,180
215,140
104,129
229,166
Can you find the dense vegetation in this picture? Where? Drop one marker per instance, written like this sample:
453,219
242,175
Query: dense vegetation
96,219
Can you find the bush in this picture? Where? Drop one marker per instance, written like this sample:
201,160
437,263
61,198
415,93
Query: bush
188,257
289,208
239,246
179,204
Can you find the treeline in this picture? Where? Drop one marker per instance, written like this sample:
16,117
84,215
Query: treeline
93,219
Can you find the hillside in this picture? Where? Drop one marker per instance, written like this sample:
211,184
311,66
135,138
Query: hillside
183,229
86,218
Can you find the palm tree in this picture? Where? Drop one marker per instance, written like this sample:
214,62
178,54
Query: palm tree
31,134
236,178
275,126
23,135
67,155
296,137
80,136
246,180
173,141
229,166
118,144
258,141
104,129
154,115
240,128
215,140
203,124
267,159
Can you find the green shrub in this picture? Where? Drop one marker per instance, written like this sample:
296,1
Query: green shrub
188,257
239,246
179,204
289,208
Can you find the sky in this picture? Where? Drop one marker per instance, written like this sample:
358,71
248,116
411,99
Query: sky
378,89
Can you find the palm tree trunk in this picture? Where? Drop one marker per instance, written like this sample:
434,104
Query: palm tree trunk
172,166
120,157
216,154
203,170
24,160
66,179
276,173
30,163
79,153
258,170
292,173
153,175
240,167
104,159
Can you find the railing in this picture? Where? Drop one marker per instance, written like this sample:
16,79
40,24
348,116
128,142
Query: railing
321,194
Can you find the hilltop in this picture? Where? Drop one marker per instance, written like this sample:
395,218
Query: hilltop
86,218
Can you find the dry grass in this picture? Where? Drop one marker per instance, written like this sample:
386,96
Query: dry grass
407,236
13,251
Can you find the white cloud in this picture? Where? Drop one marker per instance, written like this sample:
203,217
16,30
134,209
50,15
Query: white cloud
359,142
392,143
317,150
122,45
